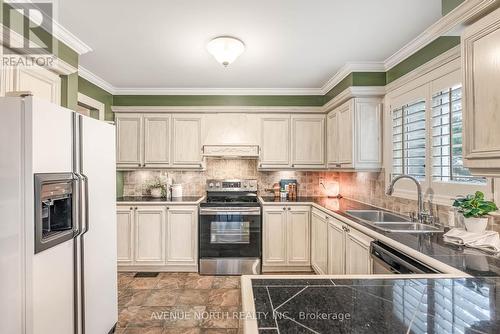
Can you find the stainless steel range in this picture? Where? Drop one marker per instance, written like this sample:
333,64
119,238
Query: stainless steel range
230,230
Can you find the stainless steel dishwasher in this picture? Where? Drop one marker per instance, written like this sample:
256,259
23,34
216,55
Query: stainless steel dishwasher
387,260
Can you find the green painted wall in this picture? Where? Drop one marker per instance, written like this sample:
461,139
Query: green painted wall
119,184
87,88
69,90
448,5
429,52
356,79
217,100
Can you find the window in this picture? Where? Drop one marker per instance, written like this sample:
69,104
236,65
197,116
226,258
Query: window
447,161
408,140
425,117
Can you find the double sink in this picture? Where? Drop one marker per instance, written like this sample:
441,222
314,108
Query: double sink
391,222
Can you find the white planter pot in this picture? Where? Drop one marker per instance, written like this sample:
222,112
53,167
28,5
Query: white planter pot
156,192
476,225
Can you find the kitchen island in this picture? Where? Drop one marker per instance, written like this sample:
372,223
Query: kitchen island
370,304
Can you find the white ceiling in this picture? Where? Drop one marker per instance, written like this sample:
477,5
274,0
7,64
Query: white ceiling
289,43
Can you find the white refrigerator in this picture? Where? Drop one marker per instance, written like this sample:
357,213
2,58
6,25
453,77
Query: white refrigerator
58,220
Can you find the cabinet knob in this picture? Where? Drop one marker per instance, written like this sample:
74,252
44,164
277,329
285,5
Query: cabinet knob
326,217
289,208
168,208
284,208
135,208
131,208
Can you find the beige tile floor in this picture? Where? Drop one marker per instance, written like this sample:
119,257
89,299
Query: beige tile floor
178,303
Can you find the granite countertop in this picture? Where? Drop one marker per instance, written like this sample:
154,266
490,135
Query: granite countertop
471,261
161,200
371,305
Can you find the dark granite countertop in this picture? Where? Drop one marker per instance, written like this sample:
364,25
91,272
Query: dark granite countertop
471,261
180,200
431,305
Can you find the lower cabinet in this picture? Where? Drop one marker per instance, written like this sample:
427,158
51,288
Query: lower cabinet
348,250
159,237
286,238
319,242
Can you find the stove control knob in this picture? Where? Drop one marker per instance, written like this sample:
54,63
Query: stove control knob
217,184
210,185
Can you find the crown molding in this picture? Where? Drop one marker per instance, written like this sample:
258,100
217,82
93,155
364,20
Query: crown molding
352,92
217,109
63,35
462,14
218,91
96,80
348,69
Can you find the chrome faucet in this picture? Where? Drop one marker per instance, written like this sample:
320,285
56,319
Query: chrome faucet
422,216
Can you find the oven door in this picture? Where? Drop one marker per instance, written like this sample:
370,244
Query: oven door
230,232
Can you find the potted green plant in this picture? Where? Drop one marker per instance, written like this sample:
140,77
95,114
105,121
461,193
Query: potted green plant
157,188
475,210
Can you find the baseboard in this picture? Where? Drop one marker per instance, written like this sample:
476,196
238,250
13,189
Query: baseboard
269,269
169,268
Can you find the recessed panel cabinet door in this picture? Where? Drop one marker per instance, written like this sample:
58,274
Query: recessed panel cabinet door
274,241
275,141
298,227
308,140
129,140
357,250
186,140
125,223
319,242
336,248
345,137
332,142
157,140
149,235
182,235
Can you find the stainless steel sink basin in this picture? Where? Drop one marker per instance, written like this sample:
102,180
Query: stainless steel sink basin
407,227
373,216
391,222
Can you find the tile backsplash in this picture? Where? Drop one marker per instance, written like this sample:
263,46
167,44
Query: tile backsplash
193,182
362,186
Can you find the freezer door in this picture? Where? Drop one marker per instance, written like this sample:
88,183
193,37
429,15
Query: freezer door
99,270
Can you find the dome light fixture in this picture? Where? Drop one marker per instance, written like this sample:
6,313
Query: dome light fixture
225,49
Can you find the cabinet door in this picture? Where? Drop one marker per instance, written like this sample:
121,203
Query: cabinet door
298,227
336,248
157,140
44,84
186,140
182,235
345,138
125,234
308,141
332,143
274,241
357,250
319,242
149,235
128,140
275,141
481,67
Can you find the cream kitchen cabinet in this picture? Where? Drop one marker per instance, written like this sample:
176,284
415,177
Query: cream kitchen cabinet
319,241
347,249
481,77
182,236
275,141
149,231
158,140
286,238
308,141
129,140
354,138
186,140
157,237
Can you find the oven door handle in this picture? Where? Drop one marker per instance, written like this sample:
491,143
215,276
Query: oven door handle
230,211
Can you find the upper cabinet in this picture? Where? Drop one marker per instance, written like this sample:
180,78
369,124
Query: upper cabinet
296,141
41,82
158,140
481,77
308,141
275,141
354,139
186,140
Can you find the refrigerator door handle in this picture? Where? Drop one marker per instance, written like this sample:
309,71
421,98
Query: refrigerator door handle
85,205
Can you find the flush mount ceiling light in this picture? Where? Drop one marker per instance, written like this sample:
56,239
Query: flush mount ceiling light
225,49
